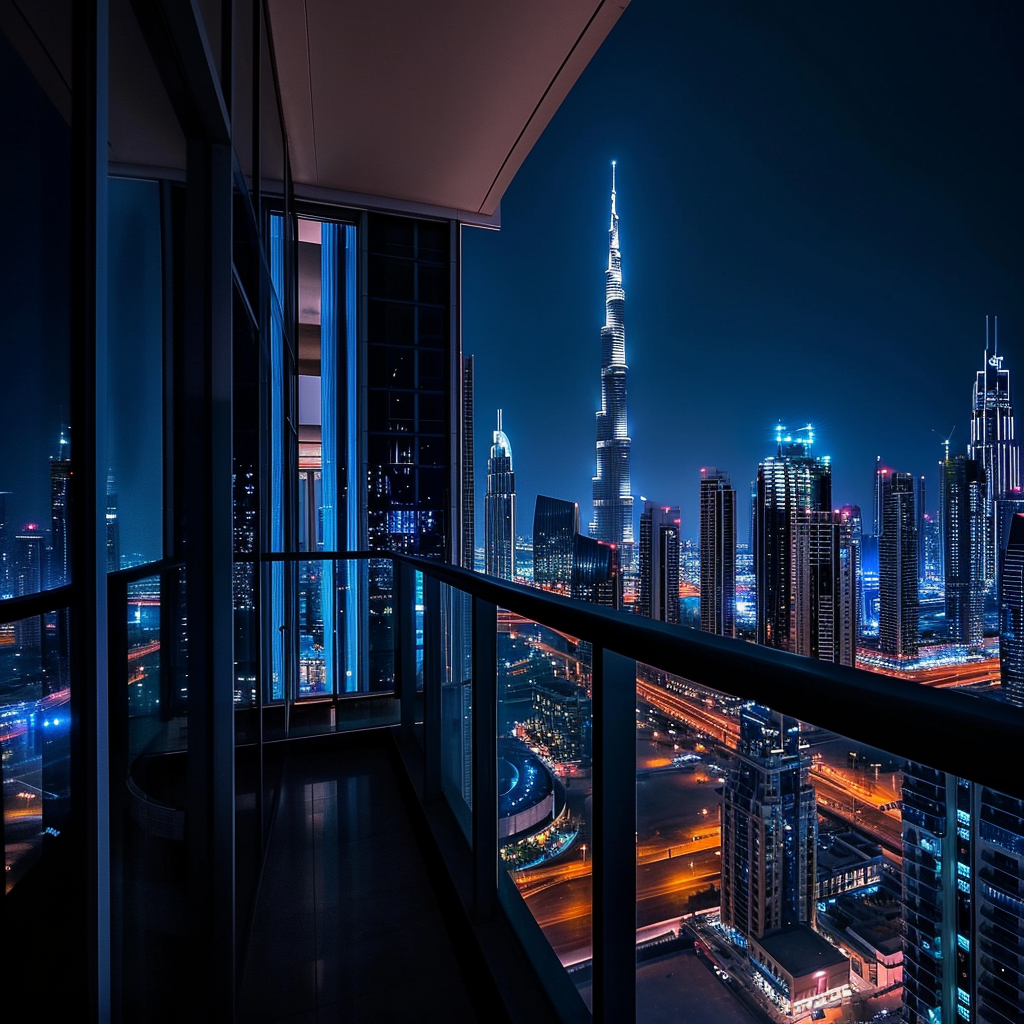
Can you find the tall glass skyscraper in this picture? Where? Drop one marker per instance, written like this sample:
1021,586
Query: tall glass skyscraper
555,525
613,502
60,554
963,873
898,617
789,482
717,553
1011,613
825,569
500,509
966,529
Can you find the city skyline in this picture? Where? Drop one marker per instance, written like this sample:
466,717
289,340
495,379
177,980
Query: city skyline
838,224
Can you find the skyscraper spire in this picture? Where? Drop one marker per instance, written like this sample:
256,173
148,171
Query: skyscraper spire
613,502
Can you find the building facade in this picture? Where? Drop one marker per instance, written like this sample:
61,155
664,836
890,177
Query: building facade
717,553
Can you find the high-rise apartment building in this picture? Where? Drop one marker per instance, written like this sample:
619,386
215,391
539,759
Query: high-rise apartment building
789,482
919,517
993,443
881,475
555,526
898,614
825,570
500,509
967,528
963,872
613,501
852,515
1005,510
7,575
1011,612
468,475
114,527
30,556
769,827
59,568
717,553
658,581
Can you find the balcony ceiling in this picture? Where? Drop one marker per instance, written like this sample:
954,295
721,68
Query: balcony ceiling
427,103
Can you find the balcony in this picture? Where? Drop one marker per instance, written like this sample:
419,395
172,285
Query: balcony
368,827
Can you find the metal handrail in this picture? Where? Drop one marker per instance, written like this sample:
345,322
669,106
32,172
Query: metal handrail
958,733
26,606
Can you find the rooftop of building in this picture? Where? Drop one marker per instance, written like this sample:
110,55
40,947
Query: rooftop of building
799,949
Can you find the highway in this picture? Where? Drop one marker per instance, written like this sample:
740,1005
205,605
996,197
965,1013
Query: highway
662,890
711,723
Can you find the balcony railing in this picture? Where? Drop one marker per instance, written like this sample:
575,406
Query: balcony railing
440,627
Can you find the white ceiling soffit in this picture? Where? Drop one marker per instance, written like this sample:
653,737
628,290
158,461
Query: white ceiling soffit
428,103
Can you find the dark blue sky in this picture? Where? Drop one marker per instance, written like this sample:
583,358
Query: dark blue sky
819,205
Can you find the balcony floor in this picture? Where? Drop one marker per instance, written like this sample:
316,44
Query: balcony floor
348,925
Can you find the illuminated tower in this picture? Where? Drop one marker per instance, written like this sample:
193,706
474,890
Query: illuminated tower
500,509
717,553
898,614
790,482
60,552
658,596
613,503
992,441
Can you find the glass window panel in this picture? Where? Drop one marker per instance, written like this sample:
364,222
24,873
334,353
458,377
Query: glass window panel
392,279
35,737
544,780
457,704
35,296
434,283
135,380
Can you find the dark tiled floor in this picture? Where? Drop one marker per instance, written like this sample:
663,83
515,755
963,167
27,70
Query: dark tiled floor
347,924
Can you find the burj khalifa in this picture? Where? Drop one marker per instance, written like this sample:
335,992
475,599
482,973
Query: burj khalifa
613,502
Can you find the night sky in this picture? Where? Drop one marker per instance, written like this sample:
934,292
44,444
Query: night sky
819,204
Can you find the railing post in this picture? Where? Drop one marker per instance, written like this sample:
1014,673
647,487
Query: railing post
404,577
614,838
118,745
485,756
432,680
